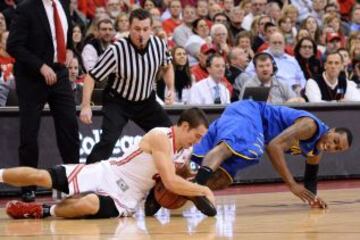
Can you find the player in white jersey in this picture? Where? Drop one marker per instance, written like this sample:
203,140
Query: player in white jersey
115,187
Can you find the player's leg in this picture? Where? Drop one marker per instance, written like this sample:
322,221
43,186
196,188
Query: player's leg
212,161
26,176
114,119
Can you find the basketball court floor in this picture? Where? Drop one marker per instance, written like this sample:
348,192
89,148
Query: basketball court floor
265,212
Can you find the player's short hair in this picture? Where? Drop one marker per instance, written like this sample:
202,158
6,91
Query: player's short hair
140,14
194,116
349,135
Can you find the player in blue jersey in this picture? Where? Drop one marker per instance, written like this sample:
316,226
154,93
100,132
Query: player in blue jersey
247,129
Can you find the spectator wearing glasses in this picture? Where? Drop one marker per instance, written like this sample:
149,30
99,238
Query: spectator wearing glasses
211,90
305,53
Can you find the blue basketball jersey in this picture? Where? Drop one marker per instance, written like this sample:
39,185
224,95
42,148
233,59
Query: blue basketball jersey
247,126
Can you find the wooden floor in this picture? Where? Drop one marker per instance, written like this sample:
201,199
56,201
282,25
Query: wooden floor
265,216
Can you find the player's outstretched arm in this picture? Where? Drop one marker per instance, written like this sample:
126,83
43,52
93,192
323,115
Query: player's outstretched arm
160,150
302,129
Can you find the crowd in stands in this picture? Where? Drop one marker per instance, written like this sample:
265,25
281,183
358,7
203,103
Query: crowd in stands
312,46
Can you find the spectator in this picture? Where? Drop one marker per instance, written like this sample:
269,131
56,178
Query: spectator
7,80
347,66
333,43
236,18
259,39
355,20
228,6
331,85
246,6
122,26
183,77
289,71
210,90
74,77
273,10
318,13
334,21
77,17
238,61
243,40
302,34
305,53
257,8
285,28
41,77
304,8
170,24
78,41
219,35
355,74
149,4
293,13
113,8
99,44
221,18
201,35
214,9
265,68
183,32
312,26
202,9
199,70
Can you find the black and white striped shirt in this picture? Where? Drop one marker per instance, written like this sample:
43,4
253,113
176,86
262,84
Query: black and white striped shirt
135,70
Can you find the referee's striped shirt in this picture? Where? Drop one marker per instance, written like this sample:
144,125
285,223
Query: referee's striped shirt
135,70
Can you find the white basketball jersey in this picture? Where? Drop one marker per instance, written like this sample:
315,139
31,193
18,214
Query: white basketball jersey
134,172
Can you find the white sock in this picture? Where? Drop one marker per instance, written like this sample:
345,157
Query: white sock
1,174
52,210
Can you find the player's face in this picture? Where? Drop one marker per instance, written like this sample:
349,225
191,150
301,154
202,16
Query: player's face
333,142
140,31
193,135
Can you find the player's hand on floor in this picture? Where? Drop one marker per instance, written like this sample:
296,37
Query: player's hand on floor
302,193
319,203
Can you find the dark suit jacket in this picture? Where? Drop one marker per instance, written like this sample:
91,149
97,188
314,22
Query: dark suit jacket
30,41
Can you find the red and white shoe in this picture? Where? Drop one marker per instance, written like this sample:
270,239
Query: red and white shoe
18,210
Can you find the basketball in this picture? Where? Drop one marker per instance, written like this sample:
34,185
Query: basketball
168,199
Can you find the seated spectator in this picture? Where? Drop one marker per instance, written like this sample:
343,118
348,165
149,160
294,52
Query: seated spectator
260,38
201,32
210,90
312,26
355,20
220,35
246,6
75,79
333,43
202,9
285,27
355,74
228,6
257,8
265,69
331,85
236,18
78,41
347,66
7,80
183,77
243,40
334,21
289,71
214,9
273,10
170,24
77,17
293,13
122,26
305,53
98,45
238,61
183,32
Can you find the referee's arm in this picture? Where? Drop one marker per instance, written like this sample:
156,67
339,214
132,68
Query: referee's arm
86,113
169,77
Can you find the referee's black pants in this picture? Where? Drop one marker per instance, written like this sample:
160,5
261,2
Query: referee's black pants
33,93
116,113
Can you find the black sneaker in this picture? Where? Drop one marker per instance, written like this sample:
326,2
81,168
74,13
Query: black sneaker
28,196
204,205
151,205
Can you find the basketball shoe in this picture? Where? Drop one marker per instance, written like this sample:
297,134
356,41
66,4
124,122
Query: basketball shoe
151,205
18,210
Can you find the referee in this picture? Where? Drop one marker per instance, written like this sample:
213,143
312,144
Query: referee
135,61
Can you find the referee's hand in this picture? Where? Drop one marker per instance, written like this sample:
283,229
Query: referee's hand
86,115
170,98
